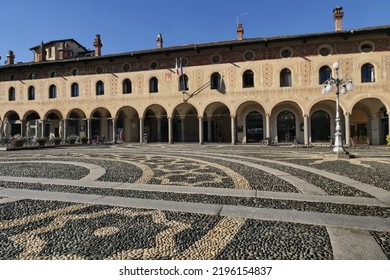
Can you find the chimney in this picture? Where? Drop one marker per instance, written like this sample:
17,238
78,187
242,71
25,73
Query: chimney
98,45
41,52
240,32
338,18
159,41
10,58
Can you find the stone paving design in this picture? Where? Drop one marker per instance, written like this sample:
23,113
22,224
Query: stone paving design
165,202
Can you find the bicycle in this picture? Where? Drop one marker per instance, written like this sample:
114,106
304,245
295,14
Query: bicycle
270,142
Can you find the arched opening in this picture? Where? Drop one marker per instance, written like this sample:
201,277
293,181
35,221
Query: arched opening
320,126
101,124
185,124
286,126
127,125
254,127
217,126
156,124
76,124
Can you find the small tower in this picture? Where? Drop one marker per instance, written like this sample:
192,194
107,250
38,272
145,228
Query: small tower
159,41
240,32
98,45
338,18
10,58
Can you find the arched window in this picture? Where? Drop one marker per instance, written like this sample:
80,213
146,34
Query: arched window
285,78
74,90
368,73
183,82
324,74
126,86
11,94
31,93
215,81
52,91
99,88
153,85
248,79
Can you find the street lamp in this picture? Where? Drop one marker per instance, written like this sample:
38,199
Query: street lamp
346,85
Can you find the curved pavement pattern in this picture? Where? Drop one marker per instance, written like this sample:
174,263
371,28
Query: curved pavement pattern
186,203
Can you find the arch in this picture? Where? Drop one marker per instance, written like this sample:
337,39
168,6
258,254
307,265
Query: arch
286,126
126,86
11,94
99,88
183,82
101,123
325,73
74,90
285,78
250,122
14,122
215,81
320,126
127,124
153,85
218,128
156,123
367,73
185,123
76,123
52,91
31,93
52,121
369,121
248,80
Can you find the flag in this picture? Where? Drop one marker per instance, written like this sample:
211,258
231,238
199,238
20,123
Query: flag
179,67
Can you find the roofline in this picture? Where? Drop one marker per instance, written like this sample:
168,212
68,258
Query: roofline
57,41
212,45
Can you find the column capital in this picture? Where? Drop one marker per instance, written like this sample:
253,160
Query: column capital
305,115
347,114
268,114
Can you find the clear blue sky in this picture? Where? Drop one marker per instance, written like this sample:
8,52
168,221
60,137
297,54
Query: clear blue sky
130,25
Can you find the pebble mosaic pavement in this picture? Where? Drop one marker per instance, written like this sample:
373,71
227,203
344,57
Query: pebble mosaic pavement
194,202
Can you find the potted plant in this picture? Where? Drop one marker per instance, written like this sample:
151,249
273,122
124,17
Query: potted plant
72,139
56,140
18,142
388,139
84,140
41,141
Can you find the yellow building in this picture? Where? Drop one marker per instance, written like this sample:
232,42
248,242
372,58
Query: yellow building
237,91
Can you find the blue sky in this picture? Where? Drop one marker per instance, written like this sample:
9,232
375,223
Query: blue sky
130,25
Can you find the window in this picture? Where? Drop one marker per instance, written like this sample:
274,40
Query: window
325,74
153,85
11,94
215,81
75,72
183,82
248,79
285,78
126,86
52,91
368,73
99,88
367,47
286,52
74,90
31,93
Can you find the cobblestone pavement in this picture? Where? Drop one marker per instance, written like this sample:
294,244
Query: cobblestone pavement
194,202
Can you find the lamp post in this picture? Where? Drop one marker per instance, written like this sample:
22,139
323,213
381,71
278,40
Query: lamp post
346,86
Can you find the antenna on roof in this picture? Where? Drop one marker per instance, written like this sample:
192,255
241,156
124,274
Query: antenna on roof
238,17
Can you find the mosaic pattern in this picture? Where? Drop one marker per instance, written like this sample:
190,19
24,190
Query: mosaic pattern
48,229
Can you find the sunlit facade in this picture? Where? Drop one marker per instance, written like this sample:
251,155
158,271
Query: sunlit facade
237,91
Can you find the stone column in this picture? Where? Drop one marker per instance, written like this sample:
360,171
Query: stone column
170,131
114,130
182,128
141,130
233,129
200,130
159,129
89,134
267,125
347,129
209,136
306,129
65,128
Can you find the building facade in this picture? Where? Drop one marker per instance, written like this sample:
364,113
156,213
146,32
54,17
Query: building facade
237,91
